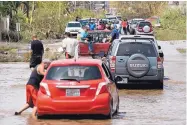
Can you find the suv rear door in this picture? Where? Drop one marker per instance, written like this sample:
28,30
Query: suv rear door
127,49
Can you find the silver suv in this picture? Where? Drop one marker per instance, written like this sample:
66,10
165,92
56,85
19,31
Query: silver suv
135,61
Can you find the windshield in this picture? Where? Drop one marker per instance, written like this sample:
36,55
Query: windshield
136,21
76,72
142,24
74,25
128,49
111,18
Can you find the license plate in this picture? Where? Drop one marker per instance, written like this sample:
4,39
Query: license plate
123,81
72,92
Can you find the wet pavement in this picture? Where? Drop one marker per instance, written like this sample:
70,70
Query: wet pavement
137,107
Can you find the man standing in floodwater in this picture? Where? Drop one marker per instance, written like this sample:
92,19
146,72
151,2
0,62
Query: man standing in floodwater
32,87
37,51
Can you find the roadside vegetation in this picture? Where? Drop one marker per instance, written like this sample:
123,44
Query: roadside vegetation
183,51
42,17
173,25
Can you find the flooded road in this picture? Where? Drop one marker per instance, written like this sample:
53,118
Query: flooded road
137,107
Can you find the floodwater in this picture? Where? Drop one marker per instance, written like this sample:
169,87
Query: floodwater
137,107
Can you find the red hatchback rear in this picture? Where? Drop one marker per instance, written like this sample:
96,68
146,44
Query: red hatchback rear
83,86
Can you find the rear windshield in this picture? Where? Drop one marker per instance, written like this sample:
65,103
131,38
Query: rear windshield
142,24
111,18
74,25
128,49
74,72
136,21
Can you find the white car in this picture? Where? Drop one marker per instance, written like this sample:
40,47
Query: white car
133,24
73,27
144,28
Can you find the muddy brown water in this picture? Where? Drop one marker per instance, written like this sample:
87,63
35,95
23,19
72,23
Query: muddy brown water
137,107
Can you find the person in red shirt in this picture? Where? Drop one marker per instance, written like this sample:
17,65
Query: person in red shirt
124,25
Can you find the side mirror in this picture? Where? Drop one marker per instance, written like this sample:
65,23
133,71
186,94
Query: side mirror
159,47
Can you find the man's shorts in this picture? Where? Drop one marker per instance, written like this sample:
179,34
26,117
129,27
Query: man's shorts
31,95
35,60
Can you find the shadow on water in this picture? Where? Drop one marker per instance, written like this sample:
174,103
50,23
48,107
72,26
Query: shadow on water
119,115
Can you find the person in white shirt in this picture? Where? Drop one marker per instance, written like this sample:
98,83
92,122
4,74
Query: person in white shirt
70,46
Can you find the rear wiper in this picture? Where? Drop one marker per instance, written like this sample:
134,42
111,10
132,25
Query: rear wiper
71,80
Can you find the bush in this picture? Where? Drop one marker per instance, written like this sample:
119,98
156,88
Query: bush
173,24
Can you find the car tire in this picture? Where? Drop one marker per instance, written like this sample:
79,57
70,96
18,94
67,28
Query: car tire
39,116
160,85
117,108
110,115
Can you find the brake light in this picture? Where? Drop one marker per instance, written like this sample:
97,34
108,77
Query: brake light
44,89
102,88
151,28
140,29
159,63
112,63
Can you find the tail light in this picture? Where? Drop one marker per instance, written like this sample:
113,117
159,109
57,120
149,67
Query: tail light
102,88
159,63
112,63
151,28
44,89
140,29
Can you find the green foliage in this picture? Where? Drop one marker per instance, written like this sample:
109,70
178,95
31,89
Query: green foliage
173,24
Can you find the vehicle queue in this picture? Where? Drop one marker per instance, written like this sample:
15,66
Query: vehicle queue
90,86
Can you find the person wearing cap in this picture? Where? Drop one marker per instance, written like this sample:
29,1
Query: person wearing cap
70,46
32,87
115,33
37,51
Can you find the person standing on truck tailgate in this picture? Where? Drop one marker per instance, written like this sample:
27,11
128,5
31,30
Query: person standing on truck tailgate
33,86
37,51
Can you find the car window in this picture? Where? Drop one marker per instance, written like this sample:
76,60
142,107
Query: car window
128,49
74,72
142,24
107,72
136,21
74,25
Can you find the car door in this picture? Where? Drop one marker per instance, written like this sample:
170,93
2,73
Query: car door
113,88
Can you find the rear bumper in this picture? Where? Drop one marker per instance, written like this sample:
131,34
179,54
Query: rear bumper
142,33
142,80
49,106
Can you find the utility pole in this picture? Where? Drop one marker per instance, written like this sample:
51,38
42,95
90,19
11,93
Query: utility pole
90,5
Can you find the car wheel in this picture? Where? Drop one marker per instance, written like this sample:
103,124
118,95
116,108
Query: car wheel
160,85
39,116
110,115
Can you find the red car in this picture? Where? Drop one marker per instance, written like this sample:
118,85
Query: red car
83,86
100,43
